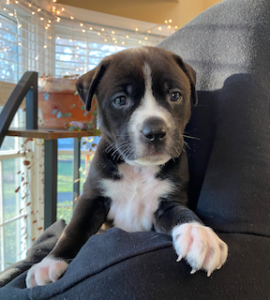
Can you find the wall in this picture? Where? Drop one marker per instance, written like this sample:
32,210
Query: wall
154,11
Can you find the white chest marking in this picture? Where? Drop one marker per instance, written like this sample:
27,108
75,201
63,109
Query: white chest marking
135,197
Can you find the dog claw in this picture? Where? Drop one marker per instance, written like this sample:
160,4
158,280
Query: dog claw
179,258
209,273
193,271
219,266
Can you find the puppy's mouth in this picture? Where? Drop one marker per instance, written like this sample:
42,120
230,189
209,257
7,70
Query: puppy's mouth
155,159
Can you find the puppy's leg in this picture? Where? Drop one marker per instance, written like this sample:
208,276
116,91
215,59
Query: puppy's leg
87,218
198,244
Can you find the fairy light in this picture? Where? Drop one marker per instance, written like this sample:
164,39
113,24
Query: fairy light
57,11
175,27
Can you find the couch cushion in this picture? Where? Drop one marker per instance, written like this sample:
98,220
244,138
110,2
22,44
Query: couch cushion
229,45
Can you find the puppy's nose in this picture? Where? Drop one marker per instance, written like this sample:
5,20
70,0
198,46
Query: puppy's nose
154,129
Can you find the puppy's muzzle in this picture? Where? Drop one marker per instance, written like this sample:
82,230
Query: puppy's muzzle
154,130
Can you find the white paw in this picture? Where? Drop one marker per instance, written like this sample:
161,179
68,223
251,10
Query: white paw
48,270
200,246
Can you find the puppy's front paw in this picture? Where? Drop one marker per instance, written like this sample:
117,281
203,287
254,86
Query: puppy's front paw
200,246
48,270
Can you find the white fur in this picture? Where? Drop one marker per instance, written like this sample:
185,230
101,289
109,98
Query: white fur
48,270
148,108
200,246
135,197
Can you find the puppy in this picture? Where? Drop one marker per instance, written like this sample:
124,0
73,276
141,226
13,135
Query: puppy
138,179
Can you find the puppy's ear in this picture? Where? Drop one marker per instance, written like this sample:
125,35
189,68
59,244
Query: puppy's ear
87,84
191,74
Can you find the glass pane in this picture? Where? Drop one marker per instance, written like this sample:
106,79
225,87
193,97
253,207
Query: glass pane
11,182
9,57
14,242
65,181
65,173
14,143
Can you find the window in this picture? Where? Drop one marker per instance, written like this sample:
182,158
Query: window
8,59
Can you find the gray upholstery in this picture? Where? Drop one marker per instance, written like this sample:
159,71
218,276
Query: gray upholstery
229,47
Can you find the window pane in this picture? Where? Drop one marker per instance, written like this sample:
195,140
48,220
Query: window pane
11,182
9,58
14,242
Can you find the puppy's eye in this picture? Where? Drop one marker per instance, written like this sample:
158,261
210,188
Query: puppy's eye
176,96
120,101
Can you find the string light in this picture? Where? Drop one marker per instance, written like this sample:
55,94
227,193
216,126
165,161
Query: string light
58,11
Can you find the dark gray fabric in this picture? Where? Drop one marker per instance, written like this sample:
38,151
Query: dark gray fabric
229,47
119,265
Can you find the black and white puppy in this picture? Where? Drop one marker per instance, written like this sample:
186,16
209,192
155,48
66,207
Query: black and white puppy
138,179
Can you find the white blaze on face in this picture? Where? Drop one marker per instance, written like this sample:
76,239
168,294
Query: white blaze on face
149,108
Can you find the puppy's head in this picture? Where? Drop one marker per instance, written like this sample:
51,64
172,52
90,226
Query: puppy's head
144,97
